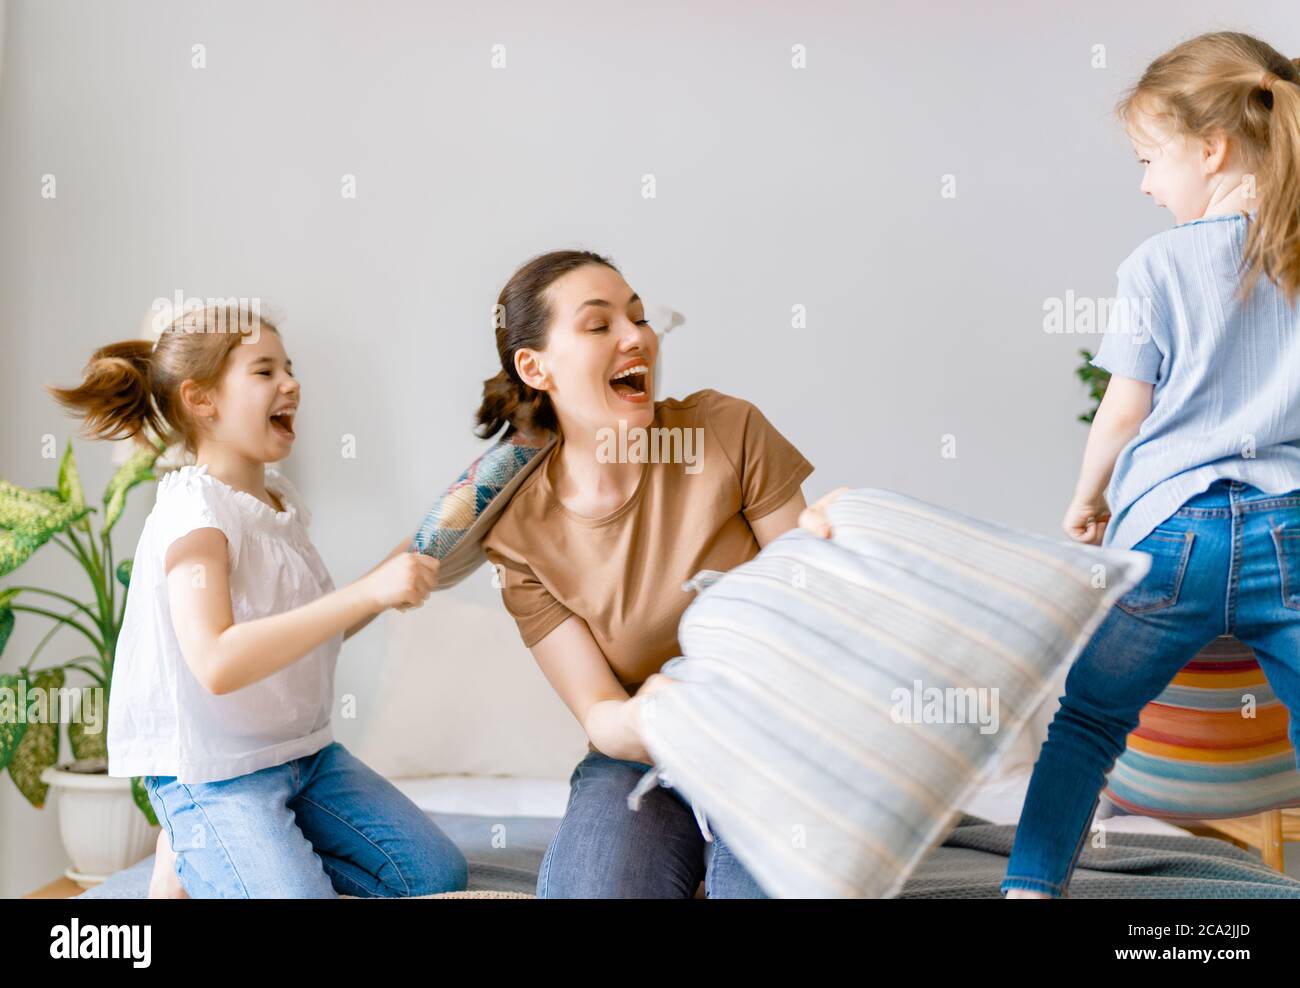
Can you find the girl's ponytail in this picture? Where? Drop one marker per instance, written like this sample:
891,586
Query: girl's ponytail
1273,246
115,397
132,389
1229,83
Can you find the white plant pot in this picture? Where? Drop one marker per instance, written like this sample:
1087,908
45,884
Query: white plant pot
103,830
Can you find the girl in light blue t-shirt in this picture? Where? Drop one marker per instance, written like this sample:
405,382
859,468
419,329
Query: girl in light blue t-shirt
1194,454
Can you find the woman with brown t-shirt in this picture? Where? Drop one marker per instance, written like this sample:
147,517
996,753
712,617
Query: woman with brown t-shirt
635,497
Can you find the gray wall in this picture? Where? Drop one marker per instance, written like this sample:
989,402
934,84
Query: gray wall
775,187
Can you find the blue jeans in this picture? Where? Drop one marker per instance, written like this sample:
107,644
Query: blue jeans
312,828
1227,562
604,850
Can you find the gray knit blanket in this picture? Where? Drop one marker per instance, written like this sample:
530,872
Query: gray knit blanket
969,864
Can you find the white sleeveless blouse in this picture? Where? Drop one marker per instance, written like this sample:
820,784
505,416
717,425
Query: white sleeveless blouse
161,720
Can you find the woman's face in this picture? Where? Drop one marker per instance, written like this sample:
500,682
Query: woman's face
599,356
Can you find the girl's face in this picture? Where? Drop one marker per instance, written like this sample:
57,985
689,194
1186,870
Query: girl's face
256,401
600,353
1178,171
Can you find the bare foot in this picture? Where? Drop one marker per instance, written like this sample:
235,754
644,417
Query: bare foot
164,883
1026,894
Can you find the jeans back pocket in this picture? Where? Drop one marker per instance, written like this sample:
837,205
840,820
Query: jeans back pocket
1169,550
1286,540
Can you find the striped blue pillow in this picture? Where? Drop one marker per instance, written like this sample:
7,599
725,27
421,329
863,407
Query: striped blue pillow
838,699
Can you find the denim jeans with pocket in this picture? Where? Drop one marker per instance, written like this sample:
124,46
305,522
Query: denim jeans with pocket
1227,562
312,828
604,849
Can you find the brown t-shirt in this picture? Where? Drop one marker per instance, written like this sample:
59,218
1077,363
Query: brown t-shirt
623,573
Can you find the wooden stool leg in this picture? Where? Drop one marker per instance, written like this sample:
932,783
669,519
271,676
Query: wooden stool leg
1270,845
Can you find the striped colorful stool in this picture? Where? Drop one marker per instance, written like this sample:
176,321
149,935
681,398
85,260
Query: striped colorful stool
1212,746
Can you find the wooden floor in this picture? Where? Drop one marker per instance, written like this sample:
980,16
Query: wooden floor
62,888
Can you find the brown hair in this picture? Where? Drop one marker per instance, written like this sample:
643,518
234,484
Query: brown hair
523,320
1237,86
132,388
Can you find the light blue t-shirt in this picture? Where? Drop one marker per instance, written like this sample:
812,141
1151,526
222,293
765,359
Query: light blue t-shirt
1226,372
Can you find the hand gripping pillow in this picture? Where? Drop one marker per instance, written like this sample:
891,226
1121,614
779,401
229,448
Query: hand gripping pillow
838,699
453,529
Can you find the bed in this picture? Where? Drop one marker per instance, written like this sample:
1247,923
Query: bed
433,725
1143,858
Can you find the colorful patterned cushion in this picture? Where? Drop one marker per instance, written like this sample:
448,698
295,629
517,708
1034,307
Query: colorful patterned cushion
1194,756
838,699
454,528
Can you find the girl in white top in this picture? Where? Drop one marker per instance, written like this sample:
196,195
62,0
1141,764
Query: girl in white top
223,679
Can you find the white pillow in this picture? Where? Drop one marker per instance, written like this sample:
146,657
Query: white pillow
838,700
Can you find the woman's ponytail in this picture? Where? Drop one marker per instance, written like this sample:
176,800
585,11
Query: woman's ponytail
507,401
500,399
1233,84
115,398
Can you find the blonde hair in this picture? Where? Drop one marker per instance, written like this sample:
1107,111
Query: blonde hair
131,389
1234,85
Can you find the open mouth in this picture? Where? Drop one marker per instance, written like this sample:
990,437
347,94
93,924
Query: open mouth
282,423
629,384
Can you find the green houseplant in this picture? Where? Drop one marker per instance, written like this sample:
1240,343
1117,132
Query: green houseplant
1096,379
31,518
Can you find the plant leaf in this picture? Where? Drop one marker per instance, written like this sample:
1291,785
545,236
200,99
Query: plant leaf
87,745
70,480
136,470
6,618
29,519
141,798
124,573
12,727
14,550
39,747
32,511
1096,378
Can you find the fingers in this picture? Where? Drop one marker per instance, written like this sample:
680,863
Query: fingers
419,575
1101,530
653,684
827,498
813,518
814,521
427,568
1089,531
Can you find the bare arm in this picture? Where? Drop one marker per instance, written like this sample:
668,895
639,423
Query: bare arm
226,656
403,546
577,669
780,521
1123,408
